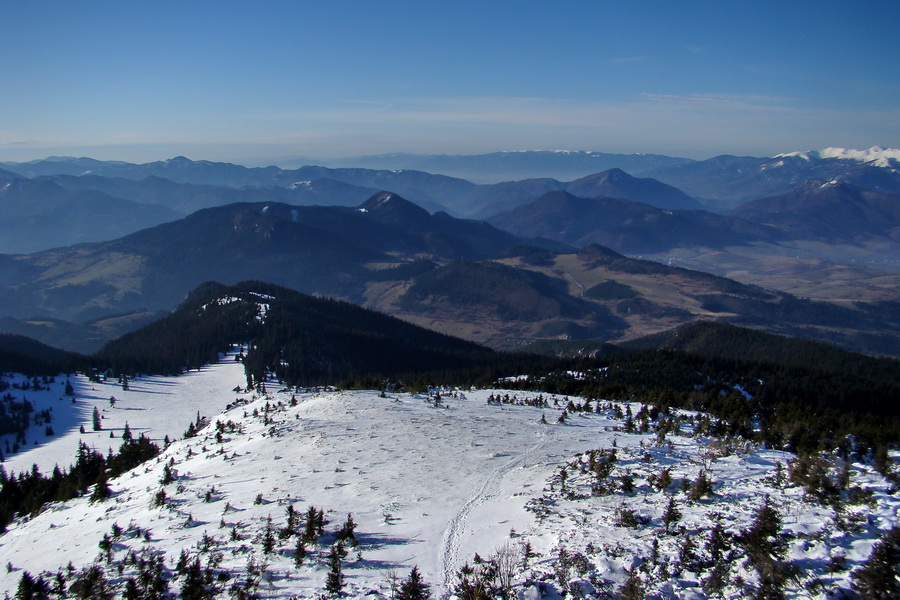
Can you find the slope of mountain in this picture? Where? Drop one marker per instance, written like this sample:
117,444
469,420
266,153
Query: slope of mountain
615,298
727,181
84,338
833,211
488,200
425,189
21,354
188,197
324,250
726,341
298,338
479,292
37,215
627,226
616,183
187,185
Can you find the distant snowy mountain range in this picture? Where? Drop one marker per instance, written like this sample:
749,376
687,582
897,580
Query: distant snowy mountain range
876,155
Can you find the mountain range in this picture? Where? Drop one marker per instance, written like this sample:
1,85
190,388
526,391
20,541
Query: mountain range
831,211
629,227
331,231
456,276
726,181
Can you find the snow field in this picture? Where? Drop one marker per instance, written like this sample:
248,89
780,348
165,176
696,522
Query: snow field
154,406
427,486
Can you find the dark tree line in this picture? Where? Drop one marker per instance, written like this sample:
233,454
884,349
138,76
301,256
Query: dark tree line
27,492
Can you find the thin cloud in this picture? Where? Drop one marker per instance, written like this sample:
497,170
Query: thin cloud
626,60
729,100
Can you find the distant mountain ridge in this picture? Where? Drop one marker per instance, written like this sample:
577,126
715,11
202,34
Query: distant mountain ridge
727,181
496,167
104,200
628,227
831,211
323,250
37,213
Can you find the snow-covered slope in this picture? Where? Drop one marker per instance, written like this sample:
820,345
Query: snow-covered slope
876,156
153,406
430,482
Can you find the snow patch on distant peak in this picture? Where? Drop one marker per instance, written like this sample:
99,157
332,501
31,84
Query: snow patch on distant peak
263,296
876,155
304,184
804,155
385,198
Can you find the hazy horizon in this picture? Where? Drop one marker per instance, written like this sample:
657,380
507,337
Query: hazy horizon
249,83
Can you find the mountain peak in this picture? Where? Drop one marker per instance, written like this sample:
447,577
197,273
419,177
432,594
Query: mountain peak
616,183
388,204
381,199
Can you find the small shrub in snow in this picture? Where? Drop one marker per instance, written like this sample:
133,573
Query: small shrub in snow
626,517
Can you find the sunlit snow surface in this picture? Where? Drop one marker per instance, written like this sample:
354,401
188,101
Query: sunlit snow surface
876,155
427,485
154,406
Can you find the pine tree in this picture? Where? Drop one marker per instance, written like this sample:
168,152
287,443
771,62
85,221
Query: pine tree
632,588
347,532
131,590
101,491
168,475
320,522
292,518
334,581
98,425
310,532
91,584
671,514
701,487
764,550
31,588
300,552
196,582
268,537
879,577
414,587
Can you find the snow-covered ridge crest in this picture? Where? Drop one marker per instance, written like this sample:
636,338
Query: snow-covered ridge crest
876,155
261,300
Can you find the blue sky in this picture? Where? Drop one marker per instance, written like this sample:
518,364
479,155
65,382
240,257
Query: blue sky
265,81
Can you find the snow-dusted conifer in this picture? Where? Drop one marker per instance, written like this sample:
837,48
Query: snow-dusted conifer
414,587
